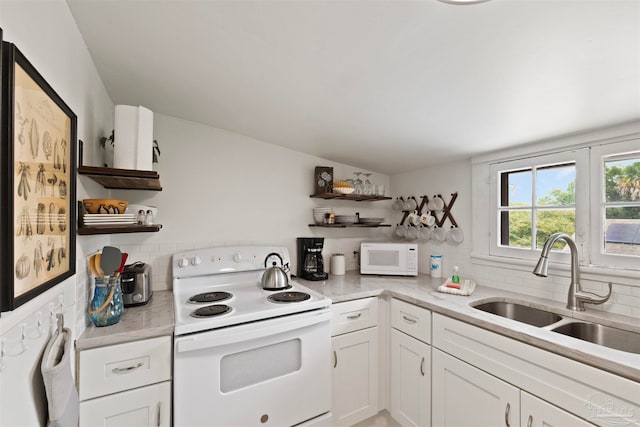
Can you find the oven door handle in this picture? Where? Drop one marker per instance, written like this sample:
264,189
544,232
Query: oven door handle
248,332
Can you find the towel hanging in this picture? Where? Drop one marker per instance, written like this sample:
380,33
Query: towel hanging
62,395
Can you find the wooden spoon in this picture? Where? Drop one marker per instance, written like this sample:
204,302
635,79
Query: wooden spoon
92,265
97,266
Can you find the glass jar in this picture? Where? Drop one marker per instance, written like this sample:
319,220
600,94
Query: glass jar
108,293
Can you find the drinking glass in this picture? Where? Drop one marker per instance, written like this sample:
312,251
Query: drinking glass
357,184
367,187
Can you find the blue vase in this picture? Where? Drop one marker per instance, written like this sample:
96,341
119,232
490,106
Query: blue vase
113,311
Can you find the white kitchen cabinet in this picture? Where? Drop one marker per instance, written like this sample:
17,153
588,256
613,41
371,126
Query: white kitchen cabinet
126,384
410,364
536,412
355,362
465,396
148,406
472,368
410,380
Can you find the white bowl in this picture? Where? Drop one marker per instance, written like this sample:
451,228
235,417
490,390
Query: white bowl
343,190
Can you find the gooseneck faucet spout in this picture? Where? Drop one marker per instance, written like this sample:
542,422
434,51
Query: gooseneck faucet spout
576,297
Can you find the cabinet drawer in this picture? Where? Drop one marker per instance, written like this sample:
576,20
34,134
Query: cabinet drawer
353,315
120,367
411,319
142,407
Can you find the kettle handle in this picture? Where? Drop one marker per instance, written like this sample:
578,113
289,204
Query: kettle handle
273,253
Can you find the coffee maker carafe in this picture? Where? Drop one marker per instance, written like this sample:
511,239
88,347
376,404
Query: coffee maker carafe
310,263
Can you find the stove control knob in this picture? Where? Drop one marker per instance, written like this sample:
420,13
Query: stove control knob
237,257
183,263
196,260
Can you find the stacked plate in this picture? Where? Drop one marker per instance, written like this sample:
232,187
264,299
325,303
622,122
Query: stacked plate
109,219
346,219
320,214
371,221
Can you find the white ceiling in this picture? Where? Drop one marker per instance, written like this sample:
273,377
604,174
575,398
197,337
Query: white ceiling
388,86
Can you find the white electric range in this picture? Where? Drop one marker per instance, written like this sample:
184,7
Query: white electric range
245,356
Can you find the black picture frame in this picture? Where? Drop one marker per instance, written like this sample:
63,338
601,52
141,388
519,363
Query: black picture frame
38,190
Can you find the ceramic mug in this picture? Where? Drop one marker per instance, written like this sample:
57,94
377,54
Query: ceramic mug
436,204
412,233
440,234
397,204
455,234
425,233
410,204
414,218
399,231
427,219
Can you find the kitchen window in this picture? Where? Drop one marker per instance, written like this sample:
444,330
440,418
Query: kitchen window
536,197
591,193
616,205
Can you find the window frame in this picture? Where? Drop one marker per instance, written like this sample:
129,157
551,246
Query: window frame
578,156
598,204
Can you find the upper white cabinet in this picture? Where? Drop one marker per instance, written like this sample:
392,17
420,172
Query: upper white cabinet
354,346
410,364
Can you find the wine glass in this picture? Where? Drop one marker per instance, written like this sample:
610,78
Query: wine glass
357,184
367,187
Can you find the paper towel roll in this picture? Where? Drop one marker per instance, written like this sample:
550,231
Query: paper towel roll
144,152
125,137
337,264
133,136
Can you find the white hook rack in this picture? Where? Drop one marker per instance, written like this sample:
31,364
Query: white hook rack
16,347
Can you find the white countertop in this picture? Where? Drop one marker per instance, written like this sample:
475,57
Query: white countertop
153,319
422,291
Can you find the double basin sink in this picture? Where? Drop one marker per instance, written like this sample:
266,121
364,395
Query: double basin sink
618,339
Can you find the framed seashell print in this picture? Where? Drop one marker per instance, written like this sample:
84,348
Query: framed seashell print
38,183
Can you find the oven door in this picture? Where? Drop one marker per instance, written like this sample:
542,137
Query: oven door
275,372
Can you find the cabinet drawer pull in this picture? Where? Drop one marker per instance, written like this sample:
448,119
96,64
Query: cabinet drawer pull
530,421
127,369
354,316
335,359
506,415
422,366
158,412
409,319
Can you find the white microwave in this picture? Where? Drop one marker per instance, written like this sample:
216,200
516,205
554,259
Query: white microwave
395,259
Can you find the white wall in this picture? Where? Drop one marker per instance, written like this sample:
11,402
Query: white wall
46,34
452,177
221,188
442,179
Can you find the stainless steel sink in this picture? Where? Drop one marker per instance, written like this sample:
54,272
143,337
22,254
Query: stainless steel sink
606,336
521,313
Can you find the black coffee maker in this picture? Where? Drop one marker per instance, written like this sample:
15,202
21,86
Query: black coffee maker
310,263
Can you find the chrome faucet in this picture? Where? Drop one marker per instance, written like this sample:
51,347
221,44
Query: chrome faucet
577,297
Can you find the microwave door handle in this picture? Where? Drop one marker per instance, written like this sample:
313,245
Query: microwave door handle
248,332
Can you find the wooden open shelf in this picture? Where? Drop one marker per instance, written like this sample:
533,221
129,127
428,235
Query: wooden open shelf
349,225
127,179
356,197
114,229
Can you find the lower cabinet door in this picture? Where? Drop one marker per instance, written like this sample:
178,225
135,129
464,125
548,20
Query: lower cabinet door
536,412
464,396
355,376
410,380
141,407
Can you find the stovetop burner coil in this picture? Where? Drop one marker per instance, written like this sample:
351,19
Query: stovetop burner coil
211,311
292,296
210,297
